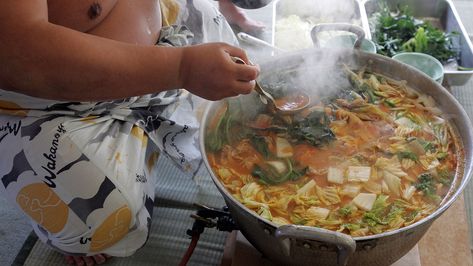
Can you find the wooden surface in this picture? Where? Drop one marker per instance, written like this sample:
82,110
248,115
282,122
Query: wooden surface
447,242
239,252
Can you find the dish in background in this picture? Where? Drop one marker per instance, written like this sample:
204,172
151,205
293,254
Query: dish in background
443,14
348,41
294,19
424,62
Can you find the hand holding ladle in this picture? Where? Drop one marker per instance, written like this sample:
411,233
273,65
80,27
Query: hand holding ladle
286,105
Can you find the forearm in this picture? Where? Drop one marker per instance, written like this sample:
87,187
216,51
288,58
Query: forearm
58,63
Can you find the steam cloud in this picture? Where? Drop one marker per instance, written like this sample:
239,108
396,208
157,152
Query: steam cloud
294,19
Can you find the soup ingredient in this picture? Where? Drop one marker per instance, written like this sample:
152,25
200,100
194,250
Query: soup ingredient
318,213
313,129
283,148
275,172
373,156
401,32
359,173
335,175
426,184
365,201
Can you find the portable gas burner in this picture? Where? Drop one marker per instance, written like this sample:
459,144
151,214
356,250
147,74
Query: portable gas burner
207,217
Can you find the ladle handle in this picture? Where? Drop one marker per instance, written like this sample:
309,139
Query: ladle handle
258,42
357,30
345,244
238,60
266,96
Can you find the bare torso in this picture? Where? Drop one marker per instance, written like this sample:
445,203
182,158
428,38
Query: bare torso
132,21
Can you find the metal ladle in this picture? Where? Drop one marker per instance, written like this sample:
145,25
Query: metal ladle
267,98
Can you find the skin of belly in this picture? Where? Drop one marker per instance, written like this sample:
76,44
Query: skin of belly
131,21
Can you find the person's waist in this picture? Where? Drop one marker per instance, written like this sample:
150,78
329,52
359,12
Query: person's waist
15,103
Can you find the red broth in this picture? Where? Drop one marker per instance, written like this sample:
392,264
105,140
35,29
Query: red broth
289,103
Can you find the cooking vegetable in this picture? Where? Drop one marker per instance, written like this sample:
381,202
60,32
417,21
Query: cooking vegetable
393,182
265,213
350,190
408,192
359,173
375,215
347,210
335,175
250,190
221,134
445,177
349,163
373,187
279,166
365,201
216,139
307,187
328,195
399,31
274,172
407,155
260,144
318,213
426,184
313,129
283,148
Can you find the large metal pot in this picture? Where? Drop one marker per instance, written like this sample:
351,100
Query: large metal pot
300,245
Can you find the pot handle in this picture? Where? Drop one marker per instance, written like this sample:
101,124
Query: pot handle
357,30
346,245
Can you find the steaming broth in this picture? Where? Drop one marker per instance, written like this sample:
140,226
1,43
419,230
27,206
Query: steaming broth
373,157
292,102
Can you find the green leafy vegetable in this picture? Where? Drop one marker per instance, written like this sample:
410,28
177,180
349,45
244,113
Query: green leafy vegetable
445,177
384,214
260,144
268,175
375,216
215,139
352,227
360,86
313,129
426,184
401,32
411,215
346,211
297,219
407,155
442,155
222,133
390,103
427,145
395,212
